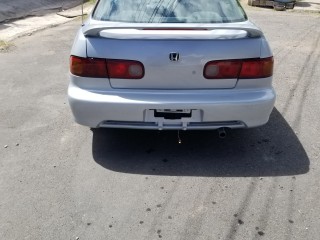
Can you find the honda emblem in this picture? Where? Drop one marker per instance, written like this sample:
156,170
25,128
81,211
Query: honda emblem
174,57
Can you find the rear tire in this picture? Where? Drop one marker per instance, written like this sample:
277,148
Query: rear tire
292,6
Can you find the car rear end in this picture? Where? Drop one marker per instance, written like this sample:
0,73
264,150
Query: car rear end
170,65
284,4
276,4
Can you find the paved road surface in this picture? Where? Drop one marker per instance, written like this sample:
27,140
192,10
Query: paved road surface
13,9
59,180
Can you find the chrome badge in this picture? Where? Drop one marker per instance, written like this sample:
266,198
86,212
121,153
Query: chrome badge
174,57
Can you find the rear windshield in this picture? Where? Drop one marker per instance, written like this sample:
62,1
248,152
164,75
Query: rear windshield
170,11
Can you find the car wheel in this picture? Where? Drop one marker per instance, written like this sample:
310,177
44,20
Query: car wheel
291,6
250,2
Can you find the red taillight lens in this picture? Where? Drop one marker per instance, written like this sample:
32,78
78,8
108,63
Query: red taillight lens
222,69
257,68
176,29
243,69
125,69
104,68
88,67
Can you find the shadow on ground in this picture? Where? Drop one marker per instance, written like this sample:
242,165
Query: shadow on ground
304,4
271,150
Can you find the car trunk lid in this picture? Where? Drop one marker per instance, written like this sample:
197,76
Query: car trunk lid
173,57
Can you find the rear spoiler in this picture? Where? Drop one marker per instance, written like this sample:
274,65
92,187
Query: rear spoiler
94,30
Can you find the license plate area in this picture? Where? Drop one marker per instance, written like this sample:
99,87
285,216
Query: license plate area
172,114
173,118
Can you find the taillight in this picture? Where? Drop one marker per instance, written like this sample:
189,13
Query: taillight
175,29
222,69
125,69
257,68
242,69
105,68
88,67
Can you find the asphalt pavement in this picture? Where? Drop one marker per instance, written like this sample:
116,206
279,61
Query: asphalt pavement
15,9
59,180
11,30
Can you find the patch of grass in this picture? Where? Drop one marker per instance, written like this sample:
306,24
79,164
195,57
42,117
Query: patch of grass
4,46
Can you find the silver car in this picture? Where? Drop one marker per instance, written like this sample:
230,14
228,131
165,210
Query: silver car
170,64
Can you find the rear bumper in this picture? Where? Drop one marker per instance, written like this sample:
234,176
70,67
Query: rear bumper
231,108
288,5
273,3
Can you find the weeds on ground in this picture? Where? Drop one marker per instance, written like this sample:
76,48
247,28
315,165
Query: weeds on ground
4,46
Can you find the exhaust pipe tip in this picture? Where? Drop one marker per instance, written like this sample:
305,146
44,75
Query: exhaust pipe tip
222,133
